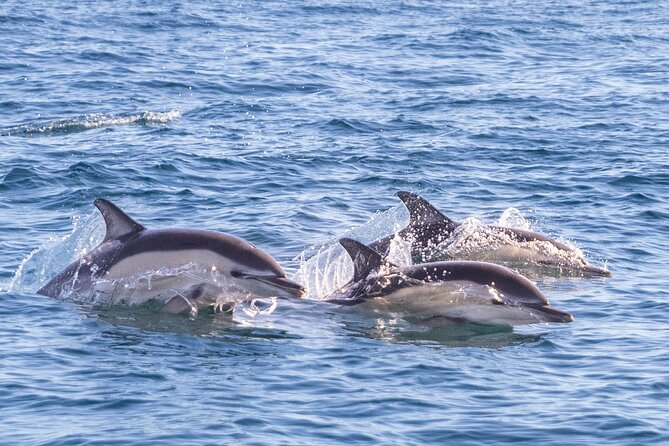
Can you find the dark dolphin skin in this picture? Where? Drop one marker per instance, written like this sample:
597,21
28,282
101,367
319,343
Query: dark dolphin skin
428,227
126,238
375,277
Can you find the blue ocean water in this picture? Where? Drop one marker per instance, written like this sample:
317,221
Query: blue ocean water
289,124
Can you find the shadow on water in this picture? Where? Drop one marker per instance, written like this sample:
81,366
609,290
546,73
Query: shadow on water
457,334
150,318
436,330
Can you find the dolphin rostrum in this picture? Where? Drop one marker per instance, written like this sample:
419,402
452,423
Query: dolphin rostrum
167,260
429,232
469,291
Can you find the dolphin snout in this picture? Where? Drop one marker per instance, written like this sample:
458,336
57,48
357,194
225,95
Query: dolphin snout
550,314
276,283
287,285
597,271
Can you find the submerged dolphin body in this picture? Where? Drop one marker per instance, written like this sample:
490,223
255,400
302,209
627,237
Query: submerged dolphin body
161,256
429,231
477,292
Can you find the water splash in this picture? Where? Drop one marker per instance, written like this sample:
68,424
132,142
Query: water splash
469,240
513,218
324,268
475,240
219,293
90,121
56,253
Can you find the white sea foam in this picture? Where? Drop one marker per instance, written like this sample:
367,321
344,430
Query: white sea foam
92,121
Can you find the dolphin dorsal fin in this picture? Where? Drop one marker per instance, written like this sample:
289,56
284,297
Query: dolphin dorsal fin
119,224
421,211
365,259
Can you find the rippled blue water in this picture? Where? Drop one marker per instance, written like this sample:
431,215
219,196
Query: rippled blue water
289,123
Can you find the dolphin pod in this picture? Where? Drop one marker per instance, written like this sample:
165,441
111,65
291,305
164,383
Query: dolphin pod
232,269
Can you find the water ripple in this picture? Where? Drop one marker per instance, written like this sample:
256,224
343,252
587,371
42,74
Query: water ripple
292,124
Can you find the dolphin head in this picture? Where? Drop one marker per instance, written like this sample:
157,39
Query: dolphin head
251,268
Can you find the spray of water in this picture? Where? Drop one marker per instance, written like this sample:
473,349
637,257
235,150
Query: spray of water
324,268
56,253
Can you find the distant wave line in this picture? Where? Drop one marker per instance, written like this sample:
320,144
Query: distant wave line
91,121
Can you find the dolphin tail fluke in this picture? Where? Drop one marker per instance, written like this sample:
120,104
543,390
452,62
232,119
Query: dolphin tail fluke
119,224
365,259
422,212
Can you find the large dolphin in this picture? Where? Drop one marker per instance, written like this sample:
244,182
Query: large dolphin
477,292
129,251
429,231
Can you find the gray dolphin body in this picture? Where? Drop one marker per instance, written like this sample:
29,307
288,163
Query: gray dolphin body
428,229
477,292
129,250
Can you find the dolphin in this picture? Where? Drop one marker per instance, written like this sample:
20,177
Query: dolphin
429,231
478,292
167,259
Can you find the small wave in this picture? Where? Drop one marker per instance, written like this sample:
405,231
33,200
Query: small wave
90,121
400,123
355,125
10,105
645,179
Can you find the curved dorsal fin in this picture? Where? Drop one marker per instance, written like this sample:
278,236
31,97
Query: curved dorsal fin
365,259
119,224
421,212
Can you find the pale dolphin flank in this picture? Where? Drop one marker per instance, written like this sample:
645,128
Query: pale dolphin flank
477,292
130,250
429,230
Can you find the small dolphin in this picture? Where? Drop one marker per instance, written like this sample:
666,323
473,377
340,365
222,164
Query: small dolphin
129,251
429,231
478,292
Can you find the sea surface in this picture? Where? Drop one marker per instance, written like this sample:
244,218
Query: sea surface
291,124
